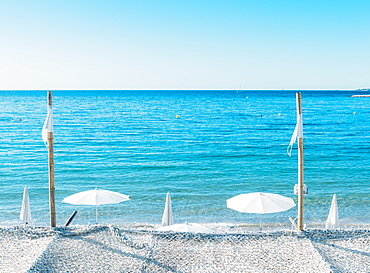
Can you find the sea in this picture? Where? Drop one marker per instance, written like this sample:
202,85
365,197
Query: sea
203,147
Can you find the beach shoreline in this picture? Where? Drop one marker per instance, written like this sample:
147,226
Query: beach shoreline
110,248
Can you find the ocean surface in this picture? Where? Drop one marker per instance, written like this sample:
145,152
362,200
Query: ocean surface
203,147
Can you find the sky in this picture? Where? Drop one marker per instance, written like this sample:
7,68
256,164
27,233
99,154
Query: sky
149,44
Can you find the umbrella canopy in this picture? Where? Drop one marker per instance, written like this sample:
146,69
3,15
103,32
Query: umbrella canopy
167,218
96,197
186,227
25,215
261,203
333,219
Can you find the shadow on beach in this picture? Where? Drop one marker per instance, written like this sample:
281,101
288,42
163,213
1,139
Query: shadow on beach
112,249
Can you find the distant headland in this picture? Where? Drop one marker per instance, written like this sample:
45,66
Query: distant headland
362,90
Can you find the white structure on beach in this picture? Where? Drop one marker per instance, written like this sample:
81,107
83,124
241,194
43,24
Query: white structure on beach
333,219
25,214
167,218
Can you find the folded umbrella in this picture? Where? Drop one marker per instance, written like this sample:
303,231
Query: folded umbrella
167,218
25,215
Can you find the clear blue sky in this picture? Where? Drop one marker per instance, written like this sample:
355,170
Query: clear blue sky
108,44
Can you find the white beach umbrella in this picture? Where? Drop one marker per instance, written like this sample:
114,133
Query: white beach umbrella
25,215
261,203
167,218
96,197
333,219
186,227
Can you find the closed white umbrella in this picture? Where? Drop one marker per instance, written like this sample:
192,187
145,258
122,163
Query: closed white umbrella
333,219
187,227
261,203
25,215
167,218
96,197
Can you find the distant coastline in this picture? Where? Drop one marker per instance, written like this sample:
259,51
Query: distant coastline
362,90
357,96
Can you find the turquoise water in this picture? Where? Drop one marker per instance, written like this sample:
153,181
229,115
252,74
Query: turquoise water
202,146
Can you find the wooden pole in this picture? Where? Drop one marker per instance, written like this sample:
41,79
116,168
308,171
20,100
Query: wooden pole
300,168
51,169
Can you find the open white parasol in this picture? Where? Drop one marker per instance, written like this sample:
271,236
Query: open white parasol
261,203
96,197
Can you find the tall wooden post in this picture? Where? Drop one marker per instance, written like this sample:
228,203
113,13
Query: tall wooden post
300,166
51,169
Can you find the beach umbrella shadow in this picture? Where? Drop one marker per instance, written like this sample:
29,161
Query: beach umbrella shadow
186,227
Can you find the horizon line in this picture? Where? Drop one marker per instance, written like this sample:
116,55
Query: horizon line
180,89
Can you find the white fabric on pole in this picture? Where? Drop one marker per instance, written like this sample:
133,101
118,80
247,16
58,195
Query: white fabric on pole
259,202
25,215
167,218
333,219
48,126
298,133
96,197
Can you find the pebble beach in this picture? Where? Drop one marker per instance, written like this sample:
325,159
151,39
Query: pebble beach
107,248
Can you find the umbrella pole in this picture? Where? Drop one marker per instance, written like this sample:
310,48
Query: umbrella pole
260,222
96,214
300,169
51,170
